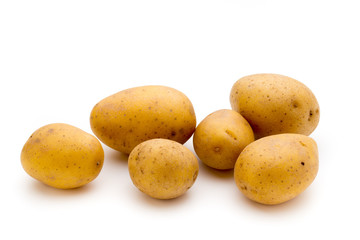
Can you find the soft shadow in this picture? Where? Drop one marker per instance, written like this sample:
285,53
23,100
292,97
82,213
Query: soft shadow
224,174
116,157
161,203
291,205
44,189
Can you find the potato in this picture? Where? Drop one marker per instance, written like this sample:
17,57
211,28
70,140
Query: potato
129,117
162,168
274,104
62,156
277,168
220,137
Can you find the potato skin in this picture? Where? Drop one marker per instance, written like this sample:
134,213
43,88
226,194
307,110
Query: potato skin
131,116
62,156
275,104
220,137
162,168
277,168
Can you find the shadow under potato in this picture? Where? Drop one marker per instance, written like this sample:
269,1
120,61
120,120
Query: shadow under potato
223,174
287,206
47,190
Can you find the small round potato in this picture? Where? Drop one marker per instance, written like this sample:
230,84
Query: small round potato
162,168
275,104
62,156
277,168
129,117
220,138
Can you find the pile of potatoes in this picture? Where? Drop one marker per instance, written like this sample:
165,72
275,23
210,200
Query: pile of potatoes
264,138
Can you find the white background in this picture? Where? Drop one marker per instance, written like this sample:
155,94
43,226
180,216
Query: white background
59,58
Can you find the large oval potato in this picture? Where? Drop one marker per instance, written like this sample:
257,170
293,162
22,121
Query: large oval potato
162,168
129,117
277,168
62,156
220,137
274,104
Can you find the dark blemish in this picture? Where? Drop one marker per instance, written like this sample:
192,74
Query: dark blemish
171,110
149,108
173,133
281,121
302,144
63,135
120,126
97,163
155,132
231,134
67,166
195,175
37,140
181,130
310,115
155,119
79,167
130,119
302,163
175,119
131,130
51,130
142,171
162,123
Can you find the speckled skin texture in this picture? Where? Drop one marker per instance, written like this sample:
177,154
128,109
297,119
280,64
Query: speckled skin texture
274,104
220,137
129,117
162,168
277,168
62,156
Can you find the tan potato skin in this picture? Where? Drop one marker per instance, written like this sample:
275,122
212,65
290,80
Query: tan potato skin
277,168
274,104
220,137
129,117
62,156
162,169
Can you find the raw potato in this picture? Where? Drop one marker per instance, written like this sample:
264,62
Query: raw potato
162,168
220,138
277,168
62,156
274,104
135,115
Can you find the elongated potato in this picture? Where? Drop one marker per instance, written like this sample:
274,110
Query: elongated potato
277,168
132,116
274,104
62,156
